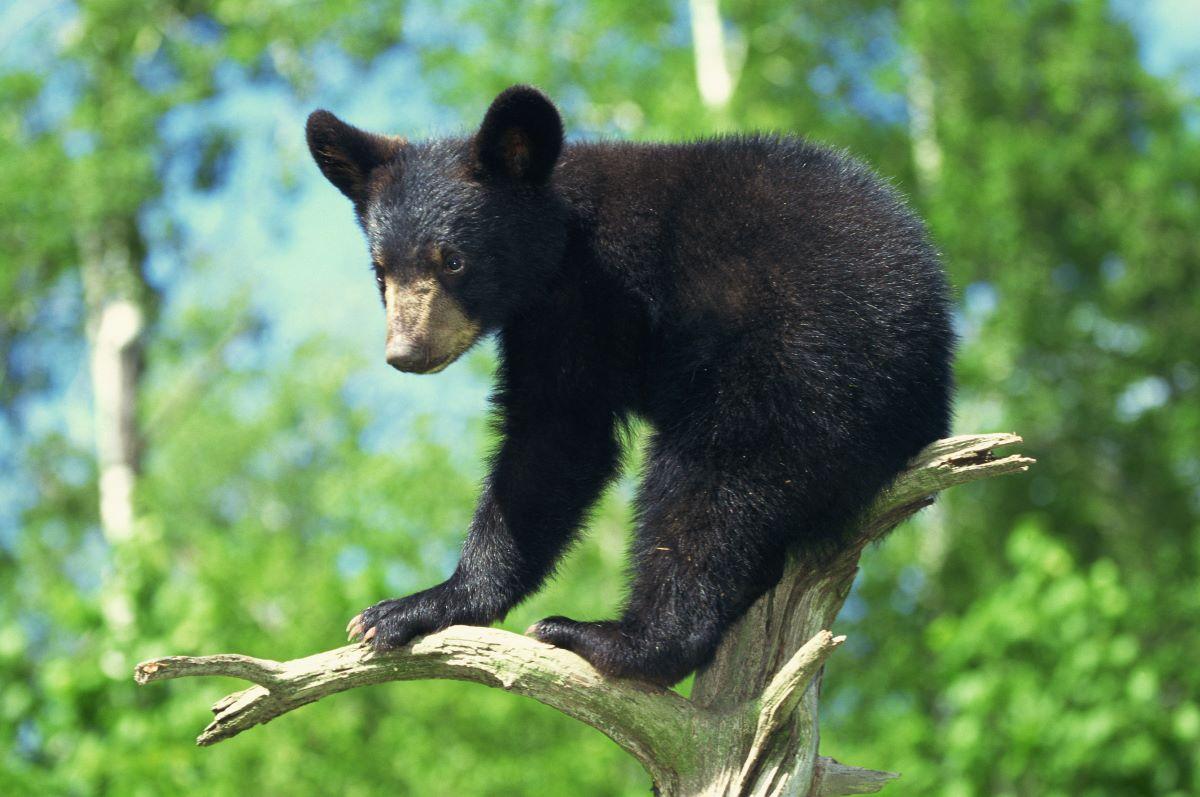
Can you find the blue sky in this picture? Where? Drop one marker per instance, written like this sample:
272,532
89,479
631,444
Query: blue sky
1170,35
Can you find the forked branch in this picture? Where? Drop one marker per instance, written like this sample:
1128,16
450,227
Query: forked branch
750,725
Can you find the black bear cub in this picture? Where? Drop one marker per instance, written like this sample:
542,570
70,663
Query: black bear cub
771,308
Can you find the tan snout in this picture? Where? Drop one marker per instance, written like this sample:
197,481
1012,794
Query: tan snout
427,329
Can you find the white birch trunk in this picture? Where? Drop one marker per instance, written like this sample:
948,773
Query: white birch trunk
714,78
116,323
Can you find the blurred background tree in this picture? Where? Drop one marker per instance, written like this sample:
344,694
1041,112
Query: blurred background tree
225,471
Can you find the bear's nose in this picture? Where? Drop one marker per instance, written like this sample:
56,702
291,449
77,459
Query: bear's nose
406,355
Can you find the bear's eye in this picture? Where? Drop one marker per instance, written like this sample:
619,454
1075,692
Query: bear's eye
378,276
453,264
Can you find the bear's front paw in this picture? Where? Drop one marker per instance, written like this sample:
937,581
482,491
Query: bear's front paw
389,624
394,623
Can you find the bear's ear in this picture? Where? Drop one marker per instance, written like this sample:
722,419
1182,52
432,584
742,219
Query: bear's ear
346,154
521,136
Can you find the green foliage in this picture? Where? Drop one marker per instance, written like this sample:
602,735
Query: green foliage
1033,636
1046,684
259,539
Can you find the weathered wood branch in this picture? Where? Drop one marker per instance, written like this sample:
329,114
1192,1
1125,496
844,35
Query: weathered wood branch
750,726
640,718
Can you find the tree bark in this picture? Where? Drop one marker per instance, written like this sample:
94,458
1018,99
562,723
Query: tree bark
750,726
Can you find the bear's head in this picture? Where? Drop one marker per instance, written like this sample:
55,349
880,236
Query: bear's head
463,233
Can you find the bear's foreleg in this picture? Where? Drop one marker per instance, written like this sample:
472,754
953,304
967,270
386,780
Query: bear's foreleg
547,473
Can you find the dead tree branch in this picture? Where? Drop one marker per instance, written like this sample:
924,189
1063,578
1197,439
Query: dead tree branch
750,726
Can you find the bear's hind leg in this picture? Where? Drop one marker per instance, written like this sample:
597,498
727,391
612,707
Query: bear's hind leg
710,541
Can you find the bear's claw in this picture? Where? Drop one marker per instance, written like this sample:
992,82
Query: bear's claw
355,627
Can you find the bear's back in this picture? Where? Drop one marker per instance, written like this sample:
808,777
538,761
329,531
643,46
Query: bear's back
777,218
775,272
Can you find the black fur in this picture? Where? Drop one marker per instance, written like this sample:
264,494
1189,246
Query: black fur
769,306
